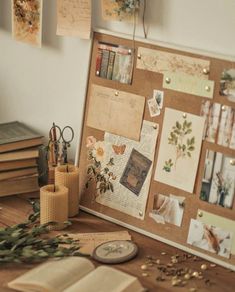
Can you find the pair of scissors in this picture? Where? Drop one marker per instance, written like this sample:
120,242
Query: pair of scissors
56,134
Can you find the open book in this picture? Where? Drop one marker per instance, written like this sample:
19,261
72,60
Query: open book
75,274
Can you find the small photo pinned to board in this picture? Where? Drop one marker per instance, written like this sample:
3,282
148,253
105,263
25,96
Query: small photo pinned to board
158,95
210,238
135,172
168,209
218,182
154,110
227,84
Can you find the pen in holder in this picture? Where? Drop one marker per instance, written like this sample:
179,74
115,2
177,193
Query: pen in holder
68,176
54,206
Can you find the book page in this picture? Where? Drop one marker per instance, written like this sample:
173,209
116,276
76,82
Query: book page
105,279
89,241
74,18
123,199
65,273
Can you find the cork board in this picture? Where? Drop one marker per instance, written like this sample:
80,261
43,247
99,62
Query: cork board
144,81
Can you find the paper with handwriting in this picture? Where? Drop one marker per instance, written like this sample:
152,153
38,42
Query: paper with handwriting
74,18
115,112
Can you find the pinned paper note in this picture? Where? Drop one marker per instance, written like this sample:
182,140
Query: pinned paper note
210,238
122,198
116,112
218,182
219,221
74,18
227,84
180,148
168,209
188,84
164,62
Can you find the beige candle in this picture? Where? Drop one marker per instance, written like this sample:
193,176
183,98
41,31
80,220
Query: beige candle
54,205
68,176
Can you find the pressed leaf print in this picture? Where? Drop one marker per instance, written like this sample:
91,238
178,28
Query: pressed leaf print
181,139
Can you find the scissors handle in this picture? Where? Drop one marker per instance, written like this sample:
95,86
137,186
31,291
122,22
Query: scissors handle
72,134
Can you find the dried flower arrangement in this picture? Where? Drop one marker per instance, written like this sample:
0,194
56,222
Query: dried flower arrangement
127,6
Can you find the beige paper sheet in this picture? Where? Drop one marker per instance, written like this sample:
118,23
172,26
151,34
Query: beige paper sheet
218,221
21,16
176,167
89,241
74,18
163,62
188,84
116,112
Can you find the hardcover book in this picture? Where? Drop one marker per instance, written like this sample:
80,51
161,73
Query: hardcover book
15,135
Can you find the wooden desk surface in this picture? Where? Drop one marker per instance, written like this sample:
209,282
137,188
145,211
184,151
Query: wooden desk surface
14,210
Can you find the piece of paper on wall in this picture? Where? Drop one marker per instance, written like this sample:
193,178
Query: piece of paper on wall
219,221
110,12
218,182
188,84
180,148
210,238
27,21
227,84
74,18
163,62
168,209
122,198
116,112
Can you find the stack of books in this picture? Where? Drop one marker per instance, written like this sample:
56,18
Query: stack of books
18,159
114,63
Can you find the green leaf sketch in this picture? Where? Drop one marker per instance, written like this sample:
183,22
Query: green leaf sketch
168,165
180,139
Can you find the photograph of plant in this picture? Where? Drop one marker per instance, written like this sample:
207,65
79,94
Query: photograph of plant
227,84
27,21
218,182
99,169
182,141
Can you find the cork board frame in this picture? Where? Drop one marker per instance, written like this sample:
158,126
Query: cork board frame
143,84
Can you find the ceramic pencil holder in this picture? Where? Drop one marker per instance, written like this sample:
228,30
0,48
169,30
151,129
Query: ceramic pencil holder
54,206
68,176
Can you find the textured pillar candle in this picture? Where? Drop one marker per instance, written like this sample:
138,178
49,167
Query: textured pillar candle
68,176
54,205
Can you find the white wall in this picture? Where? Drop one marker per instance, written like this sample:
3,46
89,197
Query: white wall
39,86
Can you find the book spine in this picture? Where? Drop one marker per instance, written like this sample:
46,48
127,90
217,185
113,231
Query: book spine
98,62
104,64
110,65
